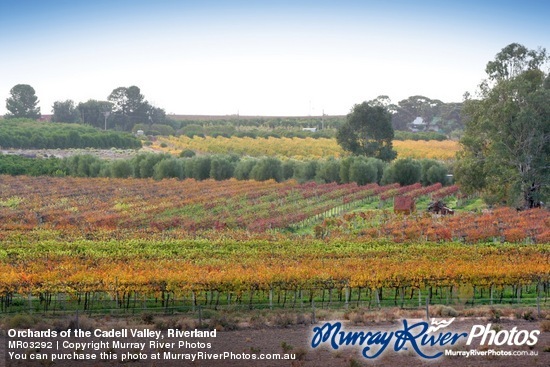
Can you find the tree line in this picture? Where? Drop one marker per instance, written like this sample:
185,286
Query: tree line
126,109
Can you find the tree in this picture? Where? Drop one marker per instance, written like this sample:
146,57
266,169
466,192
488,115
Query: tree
93,112
514,60
368,131
506,144
65,111
130,108
416,106
23,102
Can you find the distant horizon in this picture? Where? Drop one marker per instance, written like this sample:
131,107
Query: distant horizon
284,58
251,116
43,115
234,115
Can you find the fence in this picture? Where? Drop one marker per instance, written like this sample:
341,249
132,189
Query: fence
535,295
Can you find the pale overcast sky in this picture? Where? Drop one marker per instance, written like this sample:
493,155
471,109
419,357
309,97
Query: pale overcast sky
259,57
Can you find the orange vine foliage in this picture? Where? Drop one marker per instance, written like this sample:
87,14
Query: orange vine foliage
74,235
500,225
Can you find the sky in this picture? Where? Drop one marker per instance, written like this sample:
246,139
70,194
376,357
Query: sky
268,58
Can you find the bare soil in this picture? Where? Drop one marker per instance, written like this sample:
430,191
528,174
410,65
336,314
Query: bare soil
296,339
64,153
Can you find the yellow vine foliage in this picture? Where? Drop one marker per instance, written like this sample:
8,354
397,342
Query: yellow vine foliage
298,148
433,149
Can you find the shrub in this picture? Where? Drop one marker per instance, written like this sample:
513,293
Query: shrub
198,167
163,129
187,153
84,165
148,318
223,322
300,353
362,172
267,169
121,169
447,311
329,171
286,347
21,321
169,168
288,168
221,168
402,171
143,164
305,171
243,168
344,169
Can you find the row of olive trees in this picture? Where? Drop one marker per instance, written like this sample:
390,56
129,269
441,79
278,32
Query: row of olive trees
221,167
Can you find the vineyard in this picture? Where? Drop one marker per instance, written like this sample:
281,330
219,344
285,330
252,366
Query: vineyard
500,225
187,205
190,272
86,243
298,148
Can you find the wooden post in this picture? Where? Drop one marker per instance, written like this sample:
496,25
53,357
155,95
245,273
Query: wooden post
538,299
428,308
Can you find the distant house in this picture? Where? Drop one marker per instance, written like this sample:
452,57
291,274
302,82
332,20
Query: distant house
310,129
417,125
